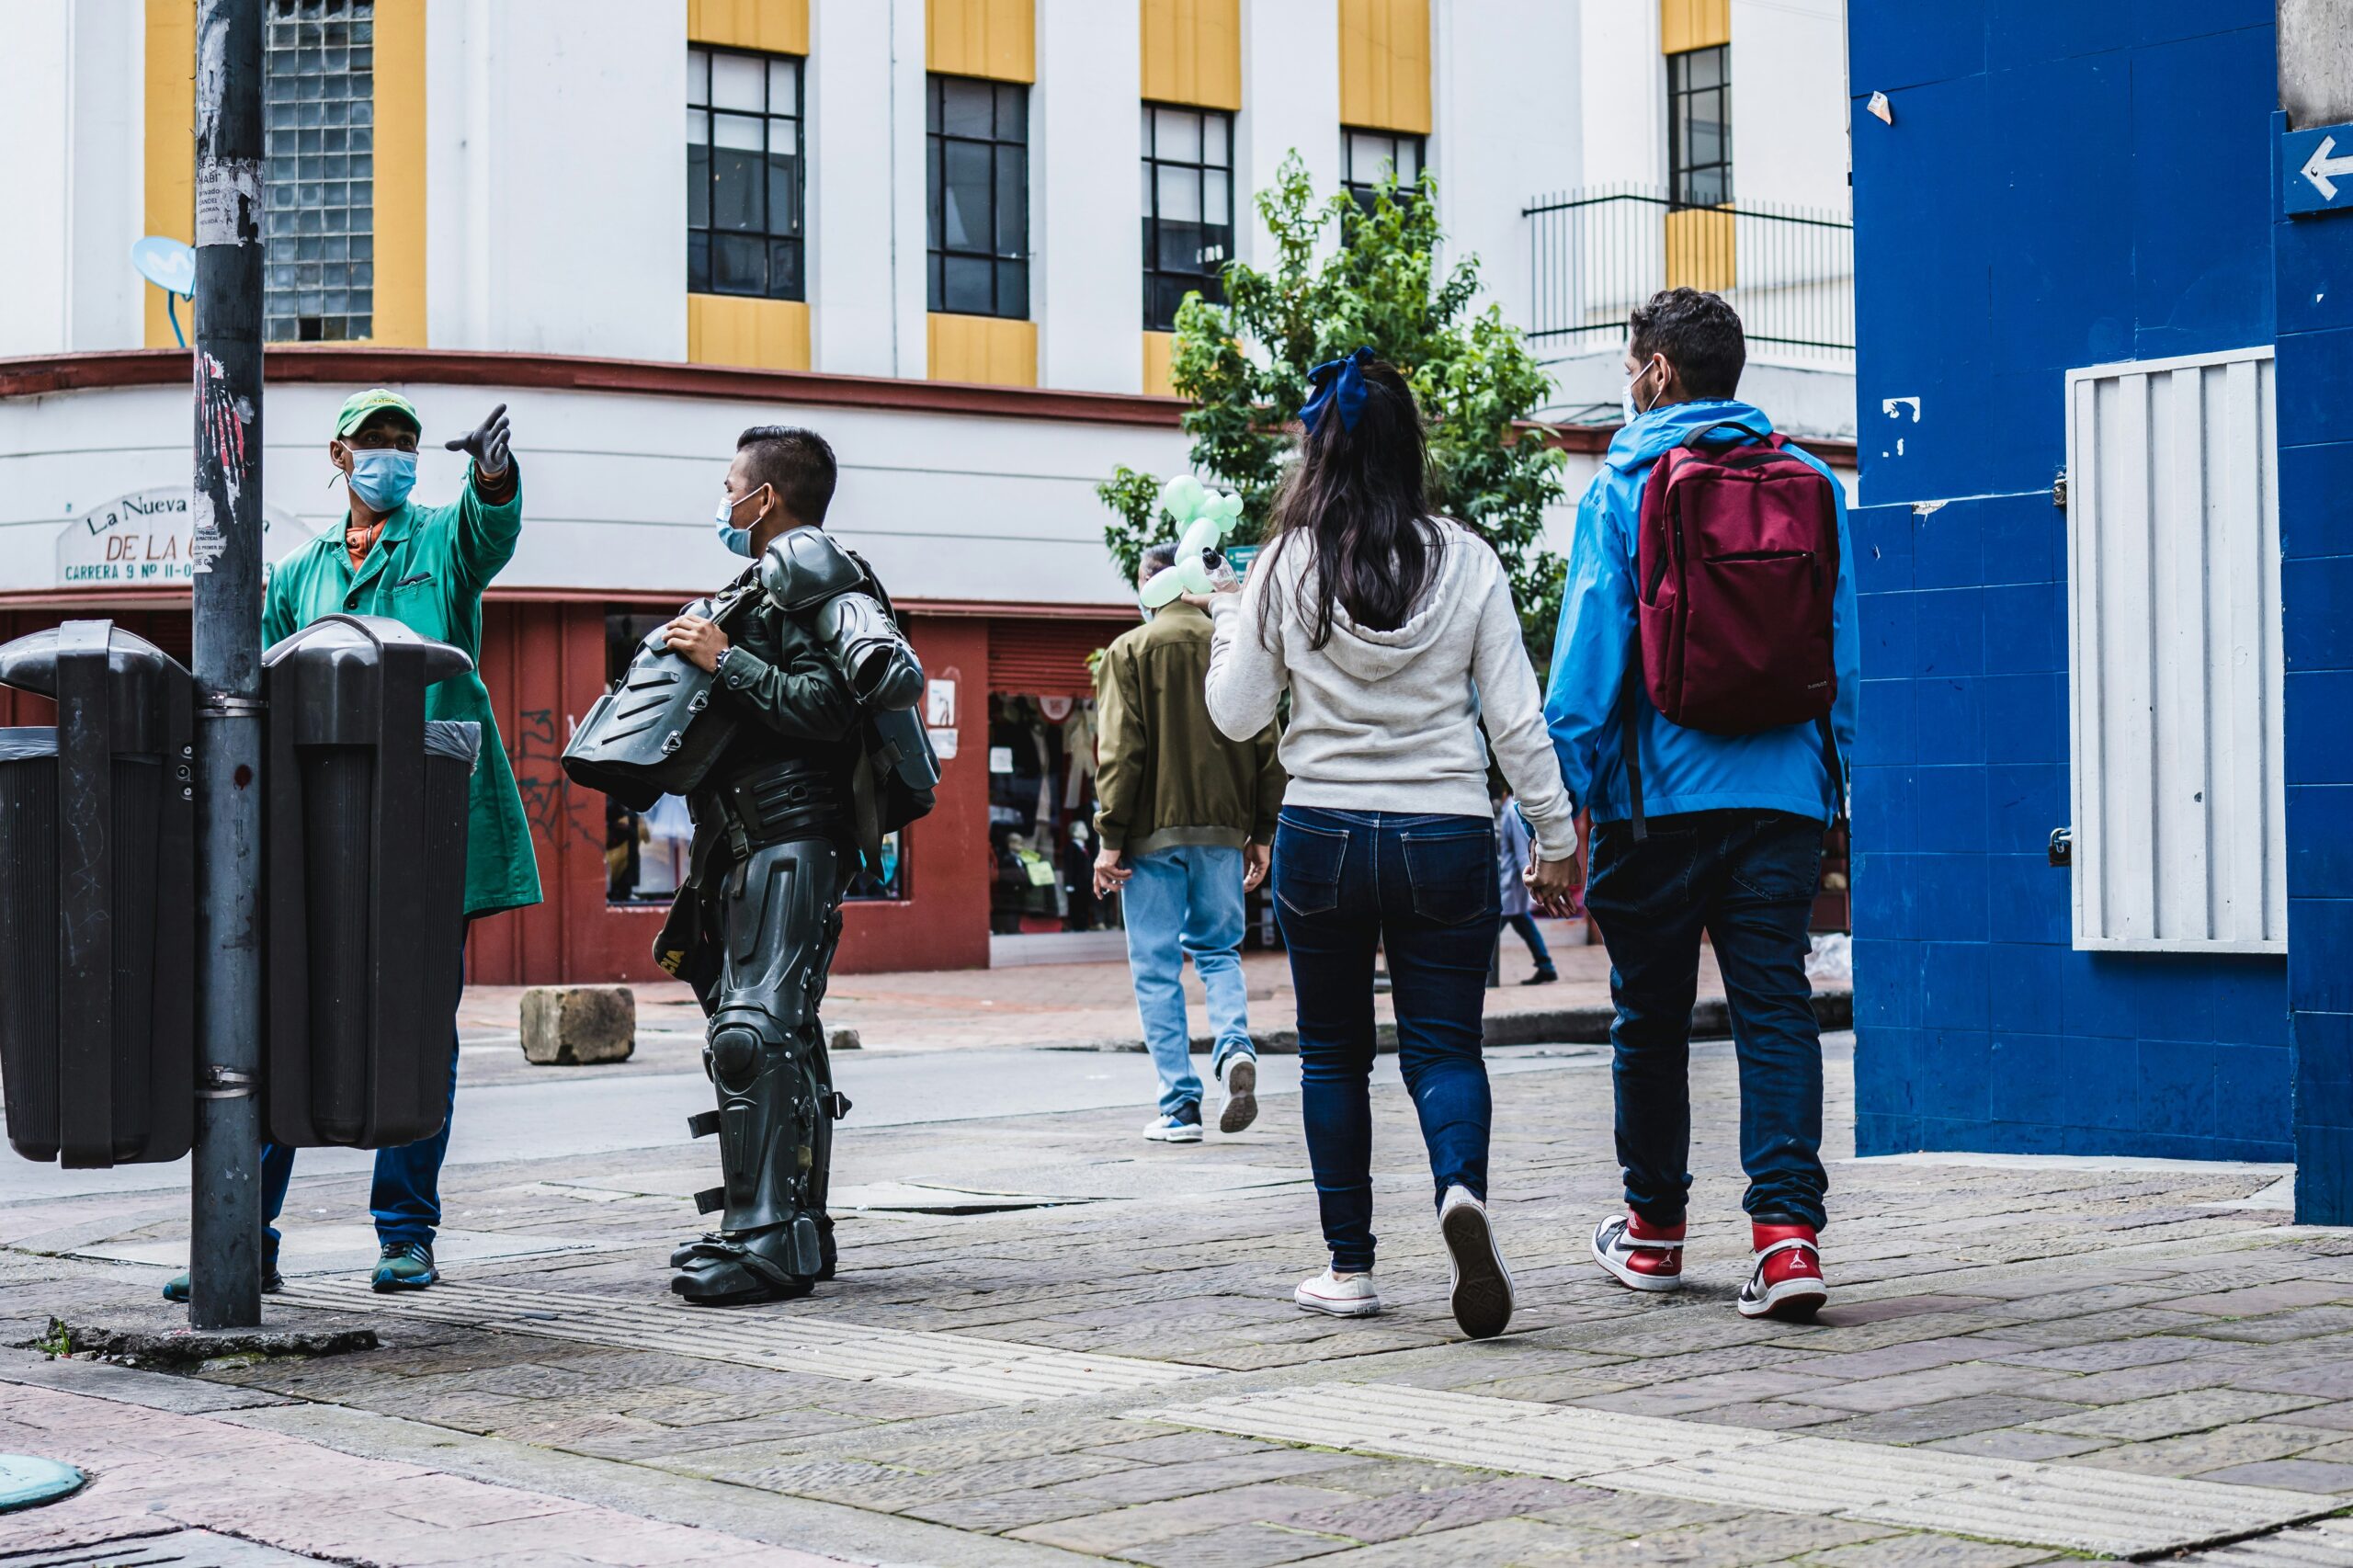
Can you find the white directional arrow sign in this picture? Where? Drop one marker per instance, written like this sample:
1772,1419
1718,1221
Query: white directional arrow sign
2321,169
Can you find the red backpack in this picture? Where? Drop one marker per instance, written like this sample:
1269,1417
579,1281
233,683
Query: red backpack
1737,575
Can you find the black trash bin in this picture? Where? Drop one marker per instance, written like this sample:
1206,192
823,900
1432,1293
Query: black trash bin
367,831
98,901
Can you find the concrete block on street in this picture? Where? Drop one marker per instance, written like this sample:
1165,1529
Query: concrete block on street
572,1025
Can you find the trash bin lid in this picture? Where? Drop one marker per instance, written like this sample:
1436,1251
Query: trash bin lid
30,664
27,1480
373,632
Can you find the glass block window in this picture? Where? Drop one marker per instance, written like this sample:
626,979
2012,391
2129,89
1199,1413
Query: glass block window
1698,126
319,118
977,157
1367,156
745,212
1187,208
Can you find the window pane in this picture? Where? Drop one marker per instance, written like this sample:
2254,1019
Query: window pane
736,130
1147,131
1012,112
1146,207
1178,135
934,299
699,262
934,197
965,285
1217,197
1012,289
736,82
698,188
784,269
784,194
1180,193
1409,159
735,192
698,76
1011,202
1180,247
1706,67
698,127
784,86
966,192
966,109
1216,129
739,263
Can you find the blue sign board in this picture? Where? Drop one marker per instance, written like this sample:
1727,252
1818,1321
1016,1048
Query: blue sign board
2316,169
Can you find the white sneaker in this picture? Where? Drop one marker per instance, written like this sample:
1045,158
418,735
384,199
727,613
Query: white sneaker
1240,1093
1480,1284
1338,1295
1174,1130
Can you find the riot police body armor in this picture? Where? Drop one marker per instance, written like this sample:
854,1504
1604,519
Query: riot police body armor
813,694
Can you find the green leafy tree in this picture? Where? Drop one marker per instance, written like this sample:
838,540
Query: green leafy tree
1245,364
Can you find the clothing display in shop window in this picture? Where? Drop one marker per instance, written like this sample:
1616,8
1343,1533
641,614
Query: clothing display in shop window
1078,750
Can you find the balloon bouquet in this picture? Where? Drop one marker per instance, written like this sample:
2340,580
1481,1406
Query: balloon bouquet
1205,519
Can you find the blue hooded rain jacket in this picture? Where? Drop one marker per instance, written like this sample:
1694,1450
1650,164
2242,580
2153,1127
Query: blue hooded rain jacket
1683,770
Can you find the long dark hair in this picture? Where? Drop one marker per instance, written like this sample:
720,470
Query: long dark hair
1356,499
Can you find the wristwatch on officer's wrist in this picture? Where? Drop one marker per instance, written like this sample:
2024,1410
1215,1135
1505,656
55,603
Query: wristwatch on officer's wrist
719,665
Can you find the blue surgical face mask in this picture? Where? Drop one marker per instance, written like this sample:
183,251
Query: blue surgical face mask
1626,406
382,477
737,541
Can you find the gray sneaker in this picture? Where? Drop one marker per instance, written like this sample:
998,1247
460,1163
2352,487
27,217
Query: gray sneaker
1241,1094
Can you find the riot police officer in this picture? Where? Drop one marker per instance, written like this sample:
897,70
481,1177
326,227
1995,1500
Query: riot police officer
804,651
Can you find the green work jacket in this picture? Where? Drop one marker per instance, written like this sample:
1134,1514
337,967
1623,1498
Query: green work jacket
427,571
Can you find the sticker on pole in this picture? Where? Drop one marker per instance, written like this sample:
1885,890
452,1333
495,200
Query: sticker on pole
2317,165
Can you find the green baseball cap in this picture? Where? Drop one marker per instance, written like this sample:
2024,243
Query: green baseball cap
359,407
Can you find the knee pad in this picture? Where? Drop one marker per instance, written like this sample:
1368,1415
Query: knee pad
735,1056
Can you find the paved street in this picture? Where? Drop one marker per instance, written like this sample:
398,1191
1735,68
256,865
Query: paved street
1052,1343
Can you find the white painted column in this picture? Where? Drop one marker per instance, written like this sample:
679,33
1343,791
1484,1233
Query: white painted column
35,110
1085,235
1504,125
562,122
105,193
1291,98
866,185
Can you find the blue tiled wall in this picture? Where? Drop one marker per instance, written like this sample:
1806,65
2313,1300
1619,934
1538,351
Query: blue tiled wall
2042,202
2313,256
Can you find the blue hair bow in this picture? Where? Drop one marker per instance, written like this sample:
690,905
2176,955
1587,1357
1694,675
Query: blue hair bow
1338,383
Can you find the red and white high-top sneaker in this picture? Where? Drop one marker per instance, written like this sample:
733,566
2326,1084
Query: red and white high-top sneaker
1641,1256
1787,1282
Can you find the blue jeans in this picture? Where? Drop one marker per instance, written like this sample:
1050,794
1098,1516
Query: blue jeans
1187,902
406,1197
1748,879
1422,888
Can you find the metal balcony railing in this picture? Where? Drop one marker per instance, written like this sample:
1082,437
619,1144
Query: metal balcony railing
1599,253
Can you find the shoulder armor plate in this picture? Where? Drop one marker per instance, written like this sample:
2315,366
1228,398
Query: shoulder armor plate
803,567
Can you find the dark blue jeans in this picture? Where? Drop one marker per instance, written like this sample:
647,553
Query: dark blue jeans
407,1196
1421,888
1525,926
1747,879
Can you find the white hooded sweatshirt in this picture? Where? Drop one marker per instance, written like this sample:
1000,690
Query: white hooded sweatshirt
1388,721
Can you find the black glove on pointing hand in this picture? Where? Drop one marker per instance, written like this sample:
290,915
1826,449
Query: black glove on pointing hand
487,443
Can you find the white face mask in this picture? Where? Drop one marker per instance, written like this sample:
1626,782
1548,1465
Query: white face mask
1626,404
737,541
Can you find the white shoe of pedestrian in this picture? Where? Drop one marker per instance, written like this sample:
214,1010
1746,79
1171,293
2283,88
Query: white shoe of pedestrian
1240,1093
1174,1128
1338,1295
1480,1288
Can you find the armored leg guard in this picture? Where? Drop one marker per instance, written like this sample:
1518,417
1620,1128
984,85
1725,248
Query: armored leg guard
767,1057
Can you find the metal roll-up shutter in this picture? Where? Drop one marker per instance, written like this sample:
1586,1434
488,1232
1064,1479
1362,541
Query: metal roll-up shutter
1046,658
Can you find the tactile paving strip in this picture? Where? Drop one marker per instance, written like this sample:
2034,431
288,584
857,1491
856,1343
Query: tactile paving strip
2079,1508
994,1370
2328,1544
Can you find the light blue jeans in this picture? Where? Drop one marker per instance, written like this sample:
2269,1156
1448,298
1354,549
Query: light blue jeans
1179,902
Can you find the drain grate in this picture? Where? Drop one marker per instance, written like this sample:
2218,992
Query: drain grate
993,1371
2076,1506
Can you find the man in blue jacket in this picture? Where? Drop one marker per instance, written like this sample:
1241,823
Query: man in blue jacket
1733,849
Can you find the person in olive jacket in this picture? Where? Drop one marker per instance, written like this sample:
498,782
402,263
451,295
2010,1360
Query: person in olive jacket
426,567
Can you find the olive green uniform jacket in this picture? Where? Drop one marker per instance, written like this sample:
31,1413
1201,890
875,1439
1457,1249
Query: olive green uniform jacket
1164,775
427,571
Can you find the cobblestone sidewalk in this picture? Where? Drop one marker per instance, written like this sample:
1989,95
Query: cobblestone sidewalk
2025,1362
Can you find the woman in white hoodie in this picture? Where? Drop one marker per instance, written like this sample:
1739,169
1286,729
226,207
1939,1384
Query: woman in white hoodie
1394,633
